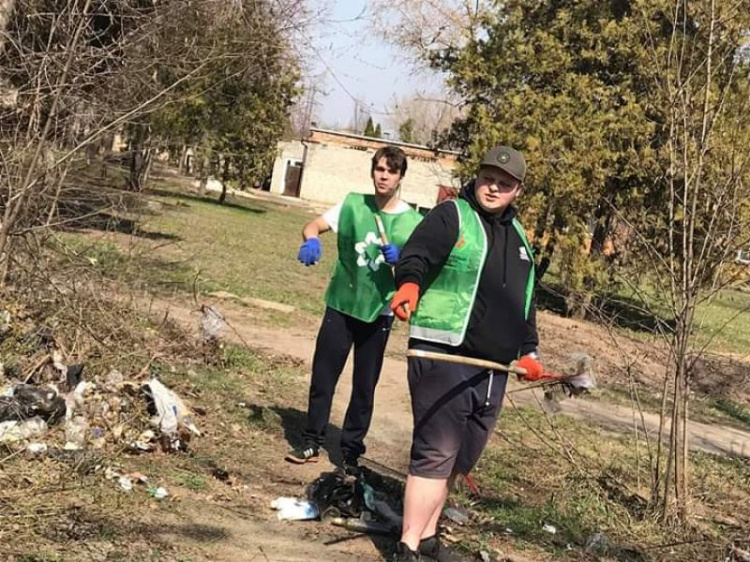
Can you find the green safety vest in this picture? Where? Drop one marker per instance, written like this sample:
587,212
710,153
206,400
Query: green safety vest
362,284
445,307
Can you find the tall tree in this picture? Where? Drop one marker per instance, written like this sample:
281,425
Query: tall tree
406,131
698,208
369,128
238,110
560,81
427,27
85,68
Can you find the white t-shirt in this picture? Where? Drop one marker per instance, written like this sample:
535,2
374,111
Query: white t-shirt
331,216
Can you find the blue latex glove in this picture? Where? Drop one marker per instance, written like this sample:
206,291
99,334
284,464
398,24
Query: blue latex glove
391,253
310,251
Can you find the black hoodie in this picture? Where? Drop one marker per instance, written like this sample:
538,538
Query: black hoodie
497,329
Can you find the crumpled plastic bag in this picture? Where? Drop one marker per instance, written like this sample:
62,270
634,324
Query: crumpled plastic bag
212,323
293,509
172,413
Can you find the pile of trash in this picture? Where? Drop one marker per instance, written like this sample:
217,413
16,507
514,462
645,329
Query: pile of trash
346,500
55,407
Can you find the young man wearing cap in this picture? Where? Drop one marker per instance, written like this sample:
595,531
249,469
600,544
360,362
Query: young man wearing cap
466,282
357,299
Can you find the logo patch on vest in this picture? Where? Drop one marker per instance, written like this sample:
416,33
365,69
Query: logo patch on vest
368,252
523,254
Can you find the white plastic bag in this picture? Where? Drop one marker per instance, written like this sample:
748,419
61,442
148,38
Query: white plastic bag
212,323
293,509
172,412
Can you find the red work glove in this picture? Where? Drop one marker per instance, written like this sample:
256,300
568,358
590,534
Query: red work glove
405,300
534,369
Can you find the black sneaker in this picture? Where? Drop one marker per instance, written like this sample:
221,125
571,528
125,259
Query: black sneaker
351,467
405,554
434,549
306,453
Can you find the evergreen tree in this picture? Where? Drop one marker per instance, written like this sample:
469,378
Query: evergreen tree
369,128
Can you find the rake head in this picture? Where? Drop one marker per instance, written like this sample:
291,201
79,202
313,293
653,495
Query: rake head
577,381
581,380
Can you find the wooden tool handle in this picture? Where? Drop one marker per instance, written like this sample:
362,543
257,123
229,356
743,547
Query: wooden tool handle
462,360
381,229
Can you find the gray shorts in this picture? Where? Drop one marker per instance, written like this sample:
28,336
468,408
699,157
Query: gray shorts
455,408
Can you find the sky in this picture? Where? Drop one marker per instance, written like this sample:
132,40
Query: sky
354,63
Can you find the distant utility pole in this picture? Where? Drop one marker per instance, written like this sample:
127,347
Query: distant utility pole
310,105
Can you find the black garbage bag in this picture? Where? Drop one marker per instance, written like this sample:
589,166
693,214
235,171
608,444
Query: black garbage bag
29,401
337,494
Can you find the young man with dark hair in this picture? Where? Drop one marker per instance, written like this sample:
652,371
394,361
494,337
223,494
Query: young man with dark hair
466,283
357,299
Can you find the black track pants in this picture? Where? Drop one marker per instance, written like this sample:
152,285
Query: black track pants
337,334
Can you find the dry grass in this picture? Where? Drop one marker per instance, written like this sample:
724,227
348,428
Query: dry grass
556,471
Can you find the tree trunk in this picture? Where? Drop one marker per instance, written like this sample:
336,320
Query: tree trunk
140,160
224,180
657,476
243,179
603,221
551,244
602,228
140,164
203,172
149,164
183,159
576,304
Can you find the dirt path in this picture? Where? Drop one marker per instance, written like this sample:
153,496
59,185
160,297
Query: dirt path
248,530
389,437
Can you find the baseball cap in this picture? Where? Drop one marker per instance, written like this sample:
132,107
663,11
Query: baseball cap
507,159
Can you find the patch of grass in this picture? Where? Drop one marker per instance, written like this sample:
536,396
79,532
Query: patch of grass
724,321
105,256
41,557
734,410
212,381
107,531
192,481
235,370
247,247
582,483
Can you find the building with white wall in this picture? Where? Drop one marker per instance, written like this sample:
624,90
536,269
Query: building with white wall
333,164
287,168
